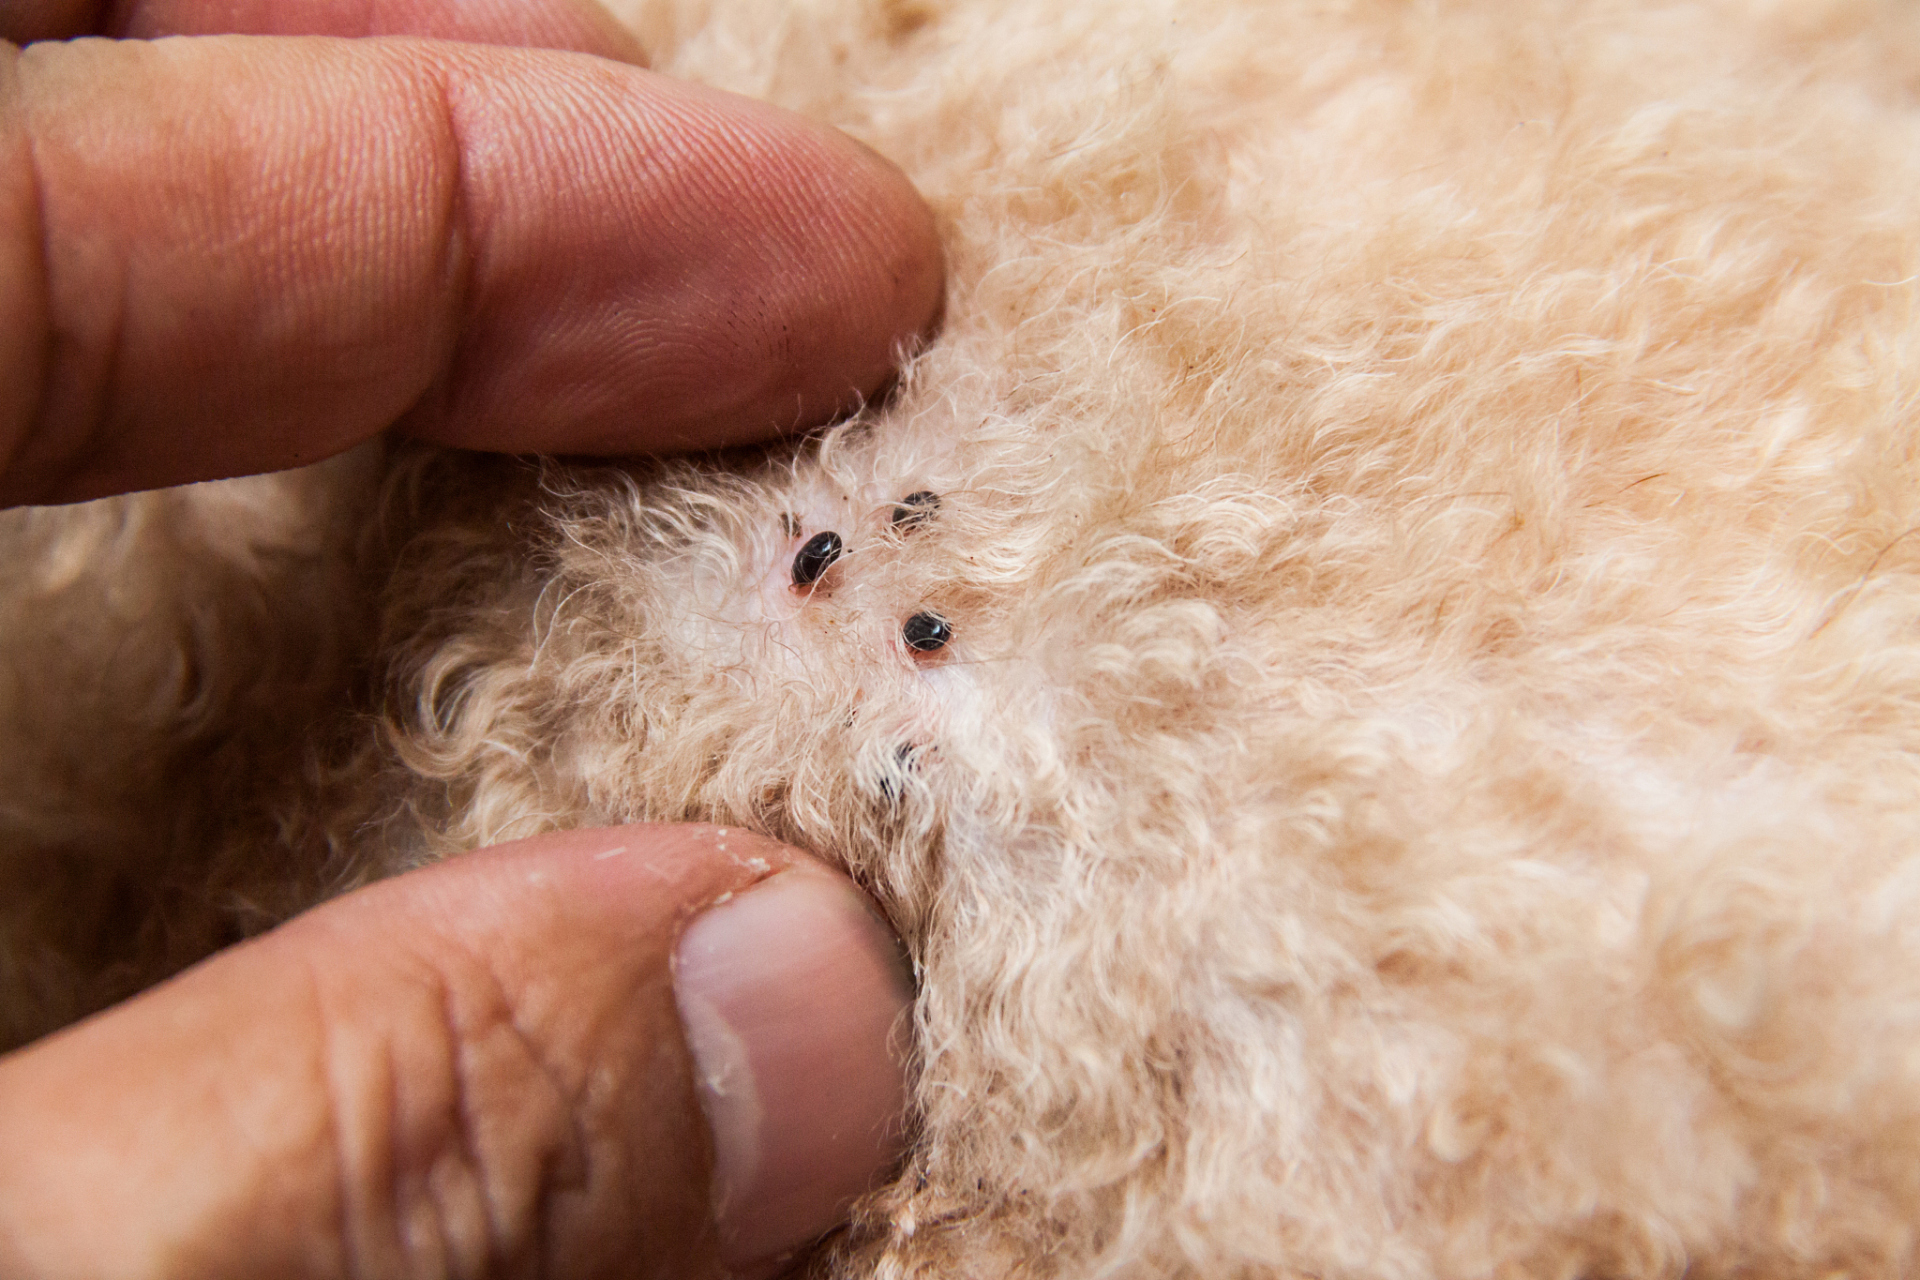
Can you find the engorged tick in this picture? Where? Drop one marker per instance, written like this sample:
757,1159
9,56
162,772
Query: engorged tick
812,560
925,632
915,509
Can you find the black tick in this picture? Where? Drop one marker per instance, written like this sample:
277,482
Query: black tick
815,558
915,509
925,632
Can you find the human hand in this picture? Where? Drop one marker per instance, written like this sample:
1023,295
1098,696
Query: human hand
234,254
227,255
479,1069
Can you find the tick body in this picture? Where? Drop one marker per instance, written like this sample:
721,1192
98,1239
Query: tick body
915,509
926,632
906,760
815,558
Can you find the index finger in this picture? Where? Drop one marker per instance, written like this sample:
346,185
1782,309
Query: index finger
232,254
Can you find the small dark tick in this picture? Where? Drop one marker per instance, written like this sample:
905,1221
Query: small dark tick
925,632
812,560
915,509
906,759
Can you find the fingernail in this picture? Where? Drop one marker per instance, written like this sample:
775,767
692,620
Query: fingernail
793,996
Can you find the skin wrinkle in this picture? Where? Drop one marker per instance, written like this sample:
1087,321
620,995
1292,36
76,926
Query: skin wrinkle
678,157
556,1180
672,161
799,178
333,1143
476,355
459,251
345,1097
415,1178
269,1154
13,111
70,431
531,1237
349,1227
420,1211
112,376
440,399
809,200
409,1175
465,1152
845,213
508,1235
436,148
60,346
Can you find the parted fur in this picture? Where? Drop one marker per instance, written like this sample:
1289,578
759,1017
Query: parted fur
1426,779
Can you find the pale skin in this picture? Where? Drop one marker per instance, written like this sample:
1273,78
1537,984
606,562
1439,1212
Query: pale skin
225,255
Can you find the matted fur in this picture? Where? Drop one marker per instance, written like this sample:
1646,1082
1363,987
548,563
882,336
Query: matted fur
1427,777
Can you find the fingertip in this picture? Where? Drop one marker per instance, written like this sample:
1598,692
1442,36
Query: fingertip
792,999
544,252
492,1045
572,940
730,271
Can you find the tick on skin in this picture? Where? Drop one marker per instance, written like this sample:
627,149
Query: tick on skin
915,509
925,632
815,558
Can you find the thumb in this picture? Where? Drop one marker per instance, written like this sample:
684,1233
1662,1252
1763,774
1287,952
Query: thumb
481,1069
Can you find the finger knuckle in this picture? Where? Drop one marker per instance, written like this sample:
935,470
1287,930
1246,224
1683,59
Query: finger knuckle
479,1141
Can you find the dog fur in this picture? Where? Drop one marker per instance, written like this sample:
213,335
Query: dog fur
1426,779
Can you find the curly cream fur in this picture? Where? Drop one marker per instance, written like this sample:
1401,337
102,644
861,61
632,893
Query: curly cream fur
1427,778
